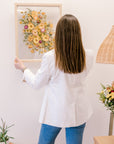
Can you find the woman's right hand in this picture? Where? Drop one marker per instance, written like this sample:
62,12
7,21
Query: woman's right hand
19,64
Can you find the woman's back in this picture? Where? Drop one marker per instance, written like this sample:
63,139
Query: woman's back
65,95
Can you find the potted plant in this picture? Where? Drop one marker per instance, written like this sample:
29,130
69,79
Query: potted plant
4,138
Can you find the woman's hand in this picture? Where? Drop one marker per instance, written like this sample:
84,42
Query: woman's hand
19,64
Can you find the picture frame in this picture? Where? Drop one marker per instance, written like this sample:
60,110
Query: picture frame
31,39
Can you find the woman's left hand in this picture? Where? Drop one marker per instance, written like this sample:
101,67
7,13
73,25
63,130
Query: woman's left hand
19,64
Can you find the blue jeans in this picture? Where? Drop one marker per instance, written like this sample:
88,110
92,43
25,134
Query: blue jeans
48,134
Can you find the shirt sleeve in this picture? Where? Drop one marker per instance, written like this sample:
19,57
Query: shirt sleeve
42,76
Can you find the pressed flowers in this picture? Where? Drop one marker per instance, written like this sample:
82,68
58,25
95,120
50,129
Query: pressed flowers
107,96
38,32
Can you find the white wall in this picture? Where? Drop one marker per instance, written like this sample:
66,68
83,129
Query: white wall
20,104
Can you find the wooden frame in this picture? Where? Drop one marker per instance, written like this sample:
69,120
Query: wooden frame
32,5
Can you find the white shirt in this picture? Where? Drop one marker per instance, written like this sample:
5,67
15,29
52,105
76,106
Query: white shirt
65,103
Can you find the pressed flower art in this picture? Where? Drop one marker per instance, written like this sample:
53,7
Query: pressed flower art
37,31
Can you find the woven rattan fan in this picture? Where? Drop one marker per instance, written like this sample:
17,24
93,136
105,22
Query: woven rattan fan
106,51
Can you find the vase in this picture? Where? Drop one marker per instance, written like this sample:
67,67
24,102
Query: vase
111,123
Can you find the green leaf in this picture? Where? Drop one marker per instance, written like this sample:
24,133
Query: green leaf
102,86
98,93
10,126
11,137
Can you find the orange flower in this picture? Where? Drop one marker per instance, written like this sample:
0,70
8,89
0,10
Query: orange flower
36,28
35,17
41,52
51,25
20,22
34,32
28,14
23,16
46,44
45,50
113,84
32,51
51,43
43,13
50,33
30,46
51,48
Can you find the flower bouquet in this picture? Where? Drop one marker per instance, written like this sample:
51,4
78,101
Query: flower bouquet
38,32
107,96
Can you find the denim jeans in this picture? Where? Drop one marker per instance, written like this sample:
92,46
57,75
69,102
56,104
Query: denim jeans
48,134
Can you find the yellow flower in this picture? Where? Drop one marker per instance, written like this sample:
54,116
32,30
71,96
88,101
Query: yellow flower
112,94
108,95
45,37
28,31
45,23
36,40
109,90
41,25
34,13
30,26
20,22
30,38
34,32
39,12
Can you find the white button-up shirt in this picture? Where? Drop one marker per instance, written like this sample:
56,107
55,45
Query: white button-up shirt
65,103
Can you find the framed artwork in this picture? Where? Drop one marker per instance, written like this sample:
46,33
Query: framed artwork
35,26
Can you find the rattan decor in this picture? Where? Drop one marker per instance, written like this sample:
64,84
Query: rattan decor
106,51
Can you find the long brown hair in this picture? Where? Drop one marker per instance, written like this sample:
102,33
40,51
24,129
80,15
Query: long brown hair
69,51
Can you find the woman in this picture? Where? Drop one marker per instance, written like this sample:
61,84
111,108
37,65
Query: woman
63,71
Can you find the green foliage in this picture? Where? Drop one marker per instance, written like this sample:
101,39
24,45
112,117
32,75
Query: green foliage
3,132
103,86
